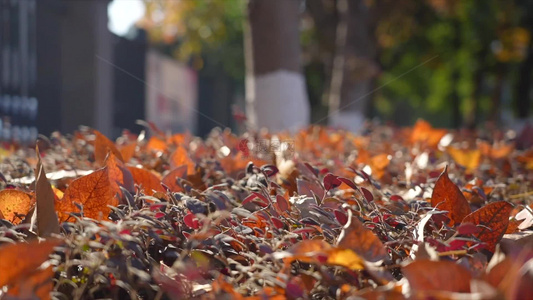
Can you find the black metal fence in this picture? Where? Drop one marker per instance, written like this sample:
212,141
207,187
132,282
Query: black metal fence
18,66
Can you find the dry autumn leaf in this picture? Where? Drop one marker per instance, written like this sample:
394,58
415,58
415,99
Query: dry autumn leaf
44,217
170,179
469,159
119,175
427,275
447,196
13,203
38,285
346,258
127,151
21,259
356,237
180,157
492,220
93,191
148,180
102,146
423,132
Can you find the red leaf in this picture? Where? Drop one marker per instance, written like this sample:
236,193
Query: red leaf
492,220
331,181
447,196
427,275
355,236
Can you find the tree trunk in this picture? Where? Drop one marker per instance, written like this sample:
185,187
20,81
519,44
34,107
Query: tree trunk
523,88
276,96
354,67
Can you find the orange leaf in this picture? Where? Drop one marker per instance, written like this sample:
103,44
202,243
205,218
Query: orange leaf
93,191
497,151
148,180
305,251
470,159
427,275
156,144
356,237
346,258
423,133
119,175
38,285
447,196
170,179
127,151
13,202
102,146
492,220
180,157
19,260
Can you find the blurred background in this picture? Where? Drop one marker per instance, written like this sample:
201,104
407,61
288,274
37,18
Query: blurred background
281,64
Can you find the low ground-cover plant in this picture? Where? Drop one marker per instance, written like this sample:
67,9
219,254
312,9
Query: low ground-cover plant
321,214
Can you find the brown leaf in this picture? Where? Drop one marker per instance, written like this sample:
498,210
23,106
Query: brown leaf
180,157
93,191
13,202
427,275
346,258
170,179
38,285
447,196
492,220
119,175
102,146
127,151
148,180
44,216
19,260
356,237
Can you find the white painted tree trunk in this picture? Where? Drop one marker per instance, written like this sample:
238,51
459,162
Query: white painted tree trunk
276,95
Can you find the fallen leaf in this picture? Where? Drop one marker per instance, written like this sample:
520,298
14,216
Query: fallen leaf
38,285
447,196
170,179
492,219
180,157
119,175
467,158
93,191
13,202
356,237
148,180
44,217
156,144
127,151
427,275
102,146
424,133
19,260
346,258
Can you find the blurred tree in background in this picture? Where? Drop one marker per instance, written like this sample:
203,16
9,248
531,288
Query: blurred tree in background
456,62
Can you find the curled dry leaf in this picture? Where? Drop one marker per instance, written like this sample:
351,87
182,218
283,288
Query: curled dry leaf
148,180
44,216
17,261
356,237
427,275
93,191
13,203
102,146
447,196
492,220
